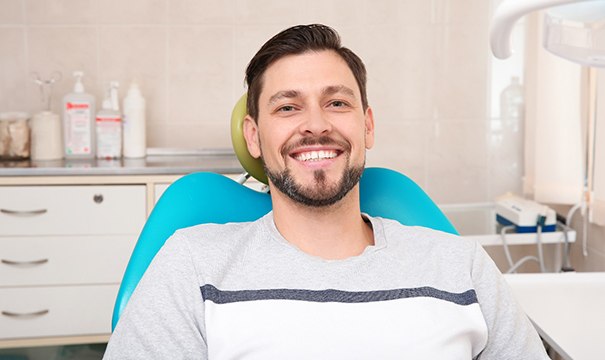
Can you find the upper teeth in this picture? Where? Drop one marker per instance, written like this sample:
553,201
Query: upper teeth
316,155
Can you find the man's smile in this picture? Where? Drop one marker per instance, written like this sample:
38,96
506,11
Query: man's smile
316,151
315,155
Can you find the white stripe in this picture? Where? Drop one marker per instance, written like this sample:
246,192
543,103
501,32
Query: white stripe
414,328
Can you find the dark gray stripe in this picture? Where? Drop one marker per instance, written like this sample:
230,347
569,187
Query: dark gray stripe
211,293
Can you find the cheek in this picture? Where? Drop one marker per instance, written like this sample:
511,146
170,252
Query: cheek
274,140
269,146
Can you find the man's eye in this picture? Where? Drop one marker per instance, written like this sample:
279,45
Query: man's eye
286,108
338,103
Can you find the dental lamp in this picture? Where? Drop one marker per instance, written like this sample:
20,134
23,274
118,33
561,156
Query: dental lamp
574,29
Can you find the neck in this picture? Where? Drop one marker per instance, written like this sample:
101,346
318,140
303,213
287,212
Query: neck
333,232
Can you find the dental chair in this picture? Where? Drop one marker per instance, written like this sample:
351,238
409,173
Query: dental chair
206,197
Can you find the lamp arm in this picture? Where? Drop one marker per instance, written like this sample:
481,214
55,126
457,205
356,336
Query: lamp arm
507,14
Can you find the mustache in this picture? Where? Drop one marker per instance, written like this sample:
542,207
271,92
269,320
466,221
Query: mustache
316,140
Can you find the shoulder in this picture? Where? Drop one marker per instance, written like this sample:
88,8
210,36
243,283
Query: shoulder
428,247
396,231
222,236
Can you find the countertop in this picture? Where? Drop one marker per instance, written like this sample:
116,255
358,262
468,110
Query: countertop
567,310
164,162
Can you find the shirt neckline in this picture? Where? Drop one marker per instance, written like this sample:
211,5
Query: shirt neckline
377,228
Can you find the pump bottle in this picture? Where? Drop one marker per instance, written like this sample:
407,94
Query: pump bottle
109,126
79,122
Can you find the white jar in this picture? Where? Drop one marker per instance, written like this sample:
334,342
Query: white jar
46,136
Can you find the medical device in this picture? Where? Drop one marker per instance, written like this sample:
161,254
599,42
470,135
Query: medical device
517,214
524,214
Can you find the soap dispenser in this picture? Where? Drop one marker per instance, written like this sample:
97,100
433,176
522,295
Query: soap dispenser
78,122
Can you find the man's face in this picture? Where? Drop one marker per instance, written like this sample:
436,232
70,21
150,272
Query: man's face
312,131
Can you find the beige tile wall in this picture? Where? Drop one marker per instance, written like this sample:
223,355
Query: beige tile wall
428,64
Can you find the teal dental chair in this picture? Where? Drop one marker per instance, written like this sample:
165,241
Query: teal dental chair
205,197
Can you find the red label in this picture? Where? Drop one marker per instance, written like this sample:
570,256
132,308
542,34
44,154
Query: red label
70,106
105,119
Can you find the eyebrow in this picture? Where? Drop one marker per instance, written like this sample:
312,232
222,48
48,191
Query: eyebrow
335,89
288,94
328,90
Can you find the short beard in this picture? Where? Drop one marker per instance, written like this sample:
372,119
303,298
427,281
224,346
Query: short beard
321,194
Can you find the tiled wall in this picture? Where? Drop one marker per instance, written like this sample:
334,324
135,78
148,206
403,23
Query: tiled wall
428,64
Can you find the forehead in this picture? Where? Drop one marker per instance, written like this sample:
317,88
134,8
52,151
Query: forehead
307,72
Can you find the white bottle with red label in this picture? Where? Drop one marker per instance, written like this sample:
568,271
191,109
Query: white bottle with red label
79,122
109,126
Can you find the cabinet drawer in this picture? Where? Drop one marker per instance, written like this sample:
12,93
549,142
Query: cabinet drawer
56,311
72,210
52,260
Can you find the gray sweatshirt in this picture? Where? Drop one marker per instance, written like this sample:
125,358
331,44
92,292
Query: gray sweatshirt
241,291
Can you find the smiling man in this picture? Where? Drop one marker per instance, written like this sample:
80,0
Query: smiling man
315,278
311,125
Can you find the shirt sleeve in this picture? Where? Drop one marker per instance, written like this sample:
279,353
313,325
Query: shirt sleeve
510,333
164,318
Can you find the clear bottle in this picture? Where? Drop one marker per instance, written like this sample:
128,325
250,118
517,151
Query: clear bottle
512,103
135,145
46,130
109,127
79,122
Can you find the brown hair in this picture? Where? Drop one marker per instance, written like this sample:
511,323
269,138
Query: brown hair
293,41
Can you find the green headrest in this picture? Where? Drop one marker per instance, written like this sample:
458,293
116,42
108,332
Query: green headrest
253,166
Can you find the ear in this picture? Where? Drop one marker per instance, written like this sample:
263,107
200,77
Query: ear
251,135
369,124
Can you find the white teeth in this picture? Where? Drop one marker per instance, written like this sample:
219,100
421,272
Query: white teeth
316,155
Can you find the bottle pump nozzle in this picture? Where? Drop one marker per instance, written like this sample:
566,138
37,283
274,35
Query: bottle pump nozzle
113,94
78,87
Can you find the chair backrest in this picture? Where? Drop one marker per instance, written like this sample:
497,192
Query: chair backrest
212,198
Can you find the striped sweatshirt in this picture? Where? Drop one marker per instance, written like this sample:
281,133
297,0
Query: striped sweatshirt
242,291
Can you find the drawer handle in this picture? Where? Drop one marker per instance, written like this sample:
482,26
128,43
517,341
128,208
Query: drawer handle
24,213
23,315
25,263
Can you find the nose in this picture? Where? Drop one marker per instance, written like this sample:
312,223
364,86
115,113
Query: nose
316,122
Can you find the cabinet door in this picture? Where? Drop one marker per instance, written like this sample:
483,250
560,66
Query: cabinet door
61,260
159,190
72,210
56,311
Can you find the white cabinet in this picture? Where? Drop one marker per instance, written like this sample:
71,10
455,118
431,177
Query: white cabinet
65,242
63,251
